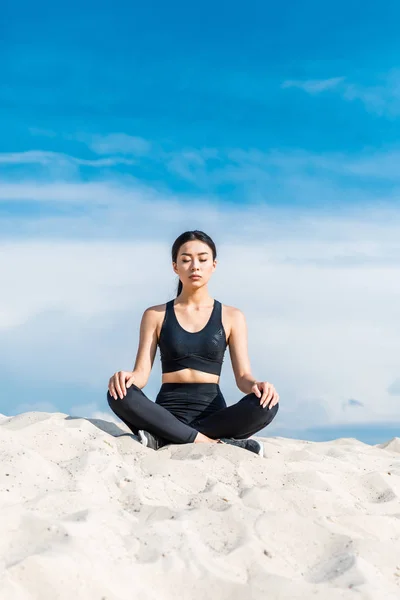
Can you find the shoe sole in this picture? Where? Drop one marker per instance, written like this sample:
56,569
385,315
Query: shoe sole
143,439
261,451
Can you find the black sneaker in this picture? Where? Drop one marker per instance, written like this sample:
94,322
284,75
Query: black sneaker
151,441
246,444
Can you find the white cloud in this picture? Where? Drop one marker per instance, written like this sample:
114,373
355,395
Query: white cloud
296,176
321,334
39,157
314,86
381,98
275,172
116,143
87,411
99,414
319,289
394,387
113,143
34,407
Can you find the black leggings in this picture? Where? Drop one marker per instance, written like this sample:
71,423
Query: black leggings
181,410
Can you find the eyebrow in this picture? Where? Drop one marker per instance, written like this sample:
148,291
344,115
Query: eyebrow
188,253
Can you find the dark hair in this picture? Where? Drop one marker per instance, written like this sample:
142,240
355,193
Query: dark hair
190,236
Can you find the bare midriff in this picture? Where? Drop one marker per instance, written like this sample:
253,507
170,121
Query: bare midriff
189,376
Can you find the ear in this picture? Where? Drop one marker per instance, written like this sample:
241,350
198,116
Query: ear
175,268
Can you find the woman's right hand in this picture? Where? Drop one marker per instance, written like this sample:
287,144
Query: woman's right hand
119,382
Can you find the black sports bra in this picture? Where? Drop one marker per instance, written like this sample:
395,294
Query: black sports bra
202,350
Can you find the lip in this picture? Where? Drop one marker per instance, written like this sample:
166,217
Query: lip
195,277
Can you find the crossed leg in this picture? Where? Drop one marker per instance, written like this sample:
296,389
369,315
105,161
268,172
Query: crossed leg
241,420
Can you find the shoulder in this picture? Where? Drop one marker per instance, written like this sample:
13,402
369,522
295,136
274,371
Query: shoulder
157,308
154,313
233,320
232,313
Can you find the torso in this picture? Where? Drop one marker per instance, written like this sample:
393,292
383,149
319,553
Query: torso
194,322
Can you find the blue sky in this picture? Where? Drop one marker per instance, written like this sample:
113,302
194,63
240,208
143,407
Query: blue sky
210,75
274,128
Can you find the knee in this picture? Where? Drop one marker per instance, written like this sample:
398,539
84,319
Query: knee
113,403
267,413
134,402
111,399
272,412
253,401
129,391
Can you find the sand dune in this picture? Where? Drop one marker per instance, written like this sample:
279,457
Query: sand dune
88,513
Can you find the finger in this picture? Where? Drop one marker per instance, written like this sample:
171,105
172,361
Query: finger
122,377
256,390
264,395
112,390
129,382
271,392
274,400
117,386
267,394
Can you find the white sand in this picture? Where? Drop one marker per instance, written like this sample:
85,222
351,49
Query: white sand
86,515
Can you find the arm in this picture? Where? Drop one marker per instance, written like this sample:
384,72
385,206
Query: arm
239,353
147,347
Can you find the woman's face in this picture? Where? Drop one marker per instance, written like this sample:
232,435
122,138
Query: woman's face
194,258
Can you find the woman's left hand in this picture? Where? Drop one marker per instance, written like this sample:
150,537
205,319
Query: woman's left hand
266,392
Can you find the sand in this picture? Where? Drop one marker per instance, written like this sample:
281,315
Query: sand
89,513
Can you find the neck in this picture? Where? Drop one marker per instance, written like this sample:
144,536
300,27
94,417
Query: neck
198,297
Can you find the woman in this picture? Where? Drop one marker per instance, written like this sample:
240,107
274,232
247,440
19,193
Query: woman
193,332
